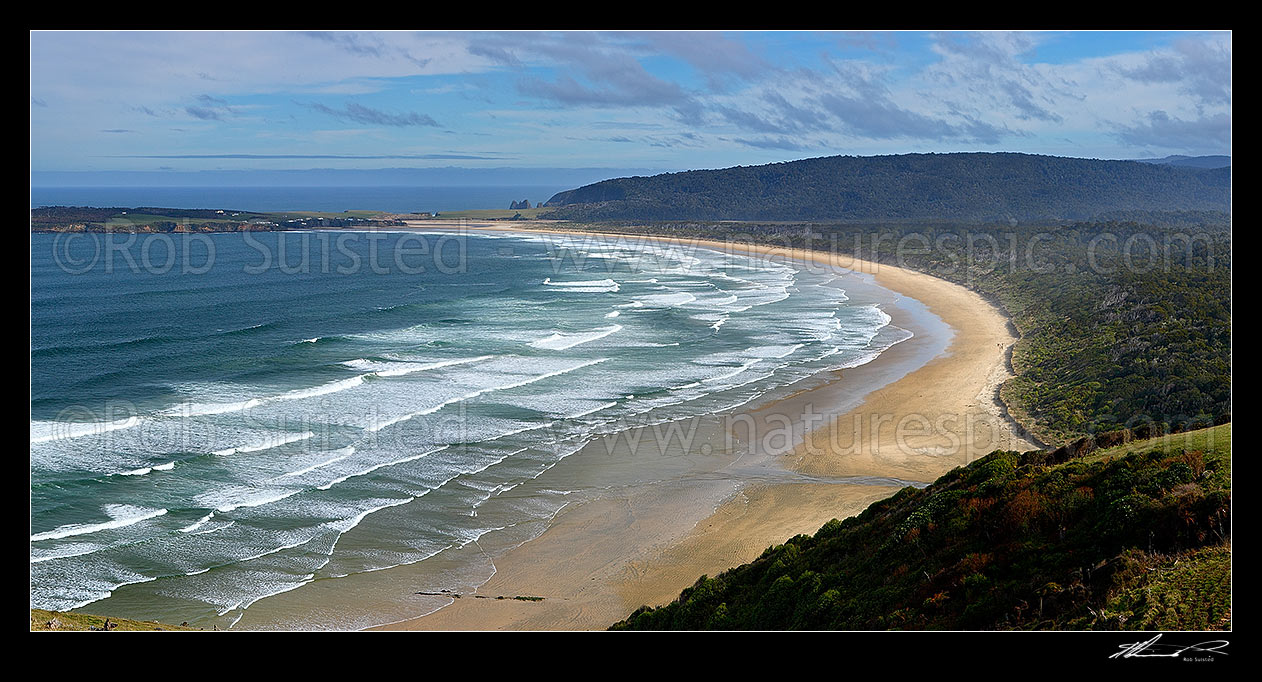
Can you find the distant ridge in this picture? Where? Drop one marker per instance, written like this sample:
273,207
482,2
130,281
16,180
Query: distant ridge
983,187
1193,161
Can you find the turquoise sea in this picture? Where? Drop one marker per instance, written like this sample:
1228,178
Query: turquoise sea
220,418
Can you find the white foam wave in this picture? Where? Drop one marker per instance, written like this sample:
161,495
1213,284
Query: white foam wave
668,300
594,409
345,452
192,409
121,516
145,470
267,444
382,465
216,529
242,498
394,369
205,409
731,374
198,523
517,384
776,352
73,549
45,431
588,287
324,389
590,283
561,341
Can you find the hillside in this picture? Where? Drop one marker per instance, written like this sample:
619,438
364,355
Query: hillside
1100,534
61,621
975,187
167,220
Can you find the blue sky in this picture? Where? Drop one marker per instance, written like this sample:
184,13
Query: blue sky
189,101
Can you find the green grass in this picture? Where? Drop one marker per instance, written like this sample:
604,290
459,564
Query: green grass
359,213
77,622
1185,591
494,213
1213,442
148,218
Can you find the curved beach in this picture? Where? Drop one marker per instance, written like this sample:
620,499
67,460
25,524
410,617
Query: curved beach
919,409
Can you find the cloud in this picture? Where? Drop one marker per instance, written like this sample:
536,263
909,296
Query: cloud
366,45
768,142
496,54
712,53
588,70
352,43
1201,68
777,115
987,65
631,93
208,108
852,99
864,104
882,120
358,113
1208,135
204,113
873,41
661,141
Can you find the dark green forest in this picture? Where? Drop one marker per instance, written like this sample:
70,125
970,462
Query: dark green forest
1132,536
973,187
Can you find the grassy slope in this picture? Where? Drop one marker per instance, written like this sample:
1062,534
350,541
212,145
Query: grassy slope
1130,537
494,213
133,217
77,622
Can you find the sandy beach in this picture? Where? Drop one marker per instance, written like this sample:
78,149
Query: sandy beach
912,414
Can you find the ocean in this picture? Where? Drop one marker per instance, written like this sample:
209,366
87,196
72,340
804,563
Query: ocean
220,418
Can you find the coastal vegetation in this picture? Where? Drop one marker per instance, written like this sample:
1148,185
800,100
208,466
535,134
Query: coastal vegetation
61,621
485,214
1109,532
164,220
973,187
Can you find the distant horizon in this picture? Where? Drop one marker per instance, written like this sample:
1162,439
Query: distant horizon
431,176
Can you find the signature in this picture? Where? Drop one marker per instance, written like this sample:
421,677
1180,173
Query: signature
1151,649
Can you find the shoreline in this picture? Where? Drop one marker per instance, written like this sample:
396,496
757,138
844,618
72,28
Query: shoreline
600,560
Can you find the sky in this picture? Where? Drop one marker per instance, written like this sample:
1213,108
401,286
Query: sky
252,100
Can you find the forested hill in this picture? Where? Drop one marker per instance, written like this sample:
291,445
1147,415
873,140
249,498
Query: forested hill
1106,533
982,187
